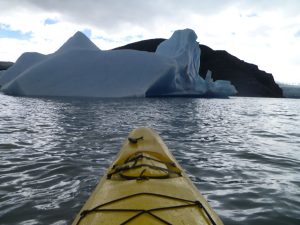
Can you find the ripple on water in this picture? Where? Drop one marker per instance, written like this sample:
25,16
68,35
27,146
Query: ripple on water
9,146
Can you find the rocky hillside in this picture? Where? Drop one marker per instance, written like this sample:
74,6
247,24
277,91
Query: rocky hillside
246,77
5,65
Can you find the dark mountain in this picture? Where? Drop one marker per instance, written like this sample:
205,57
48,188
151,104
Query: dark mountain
246,77
149,45
5,65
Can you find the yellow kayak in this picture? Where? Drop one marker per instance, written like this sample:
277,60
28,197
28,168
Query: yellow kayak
146,185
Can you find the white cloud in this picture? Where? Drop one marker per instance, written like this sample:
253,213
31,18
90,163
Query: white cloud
261,32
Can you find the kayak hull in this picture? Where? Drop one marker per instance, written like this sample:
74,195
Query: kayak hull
139,190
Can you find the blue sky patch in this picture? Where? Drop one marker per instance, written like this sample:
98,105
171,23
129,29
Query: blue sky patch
6,32
131,38
106,39
87,32
50,21
252,15
297,34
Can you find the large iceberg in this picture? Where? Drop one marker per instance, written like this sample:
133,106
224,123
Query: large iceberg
24,62
218,88
79,68
182,47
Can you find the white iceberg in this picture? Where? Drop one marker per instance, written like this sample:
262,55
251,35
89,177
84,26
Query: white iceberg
30,59
182,47
79,68
218,88
1,73
78,42
24,62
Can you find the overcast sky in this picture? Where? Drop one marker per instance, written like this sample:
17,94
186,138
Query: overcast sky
263,32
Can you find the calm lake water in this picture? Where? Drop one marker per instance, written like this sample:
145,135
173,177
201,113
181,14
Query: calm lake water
242,153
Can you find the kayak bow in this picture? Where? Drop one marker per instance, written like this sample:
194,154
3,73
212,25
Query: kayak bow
146,185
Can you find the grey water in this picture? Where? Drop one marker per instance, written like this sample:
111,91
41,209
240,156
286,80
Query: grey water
242,153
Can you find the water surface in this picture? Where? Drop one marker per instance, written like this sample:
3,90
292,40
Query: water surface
242,153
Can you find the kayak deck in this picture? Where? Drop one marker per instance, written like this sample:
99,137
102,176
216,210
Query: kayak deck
146,185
